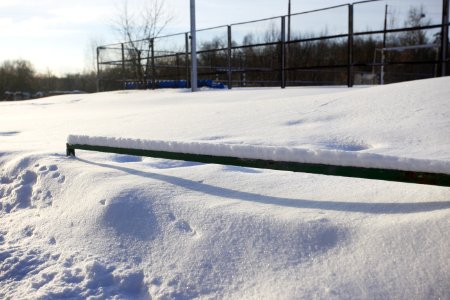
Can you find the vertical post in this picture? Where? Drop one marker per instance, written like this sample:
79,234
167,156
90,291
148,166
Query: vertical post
177,61
139,72
350,47
98,69
283,52
385,25
152,43
69,150
188,71
384,45
383,58
193,49
444,37
289,22
123,66
229,53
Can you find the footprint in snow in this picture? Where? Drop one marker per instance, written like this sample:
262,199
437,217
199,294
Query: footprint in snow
16,192
28,231
2,237
184,227
42,169
53,171
53,168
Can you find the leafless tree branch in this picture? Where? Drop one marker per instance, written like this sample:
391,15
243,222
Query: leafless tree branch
138,30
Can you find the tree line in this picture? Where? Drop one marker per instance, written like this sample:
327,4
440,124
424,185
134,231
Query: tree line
19,80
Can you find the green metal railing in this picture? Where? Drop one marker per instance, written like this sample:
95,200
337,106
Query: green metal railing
438,179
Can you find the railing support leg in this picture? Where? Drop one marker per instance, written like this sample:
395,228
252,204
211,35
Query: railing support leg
70,151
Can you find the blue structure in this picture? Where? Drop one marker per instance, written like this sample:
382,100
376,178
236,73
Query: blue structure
170,84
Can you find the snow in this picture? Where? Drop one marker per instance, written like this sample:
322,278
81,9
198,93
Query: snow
116,226
285,154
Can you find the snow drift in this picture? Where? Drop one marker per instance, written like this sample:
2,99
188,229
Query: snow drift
117,226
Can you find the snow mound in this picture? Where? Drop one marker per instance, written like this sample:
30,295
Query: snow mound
111,226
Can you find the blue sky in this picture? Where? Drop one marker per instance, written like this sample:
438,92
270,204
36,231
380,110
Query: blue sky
55,34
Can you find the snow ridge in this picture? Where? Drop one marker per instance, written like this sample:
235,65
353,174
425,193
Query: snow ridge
287,154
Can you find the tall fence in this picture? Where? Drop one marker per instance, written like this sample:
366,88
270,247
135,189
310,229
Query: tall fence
367,42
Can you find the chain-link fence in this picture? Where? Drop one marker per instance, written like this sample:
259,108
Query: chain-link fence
368,42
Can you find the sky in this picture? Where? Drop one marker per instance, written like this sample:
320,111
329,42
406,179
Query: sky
57,35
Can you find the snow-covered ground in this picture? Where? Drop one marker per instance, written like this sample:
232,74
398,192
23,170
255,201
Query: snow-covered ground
114,226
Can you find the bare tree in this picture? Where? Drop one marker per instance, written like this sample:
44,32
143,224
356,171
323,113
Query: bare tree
90,54
16,75
139,29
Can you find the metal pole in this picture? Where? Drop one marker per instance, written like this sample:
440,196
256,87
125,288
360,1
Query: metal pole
98,69
188,72
152,41
123,66
350,46
193,49
385,25
283,52
177,61
384,45
229,58
444,37
289,22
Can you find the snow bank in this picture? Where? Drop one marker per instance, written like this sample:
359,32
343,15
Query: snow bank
286,154
113,226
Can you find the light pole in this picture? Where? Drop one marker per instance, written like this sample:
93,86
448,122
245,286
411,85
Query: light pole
193,49
289,22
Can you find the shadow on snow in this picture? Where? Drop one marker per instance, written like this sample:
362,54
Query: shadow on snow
362,207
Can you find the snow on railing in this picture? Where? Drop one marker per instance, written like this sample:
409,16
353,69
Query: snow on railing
327,162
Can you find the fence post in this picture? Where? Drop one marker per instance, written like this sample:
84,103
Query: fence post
194,69
152,41
283,52
188,72
382,68
444,37
177,61
98,69
350,47
123,65
229,52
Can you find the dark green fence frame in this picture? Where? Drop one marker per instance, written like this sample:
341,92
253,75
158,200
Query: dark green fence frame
335,170
282,67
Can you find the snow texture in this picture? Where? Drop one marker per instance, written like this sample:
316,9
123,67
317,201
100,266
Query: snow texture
112,226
